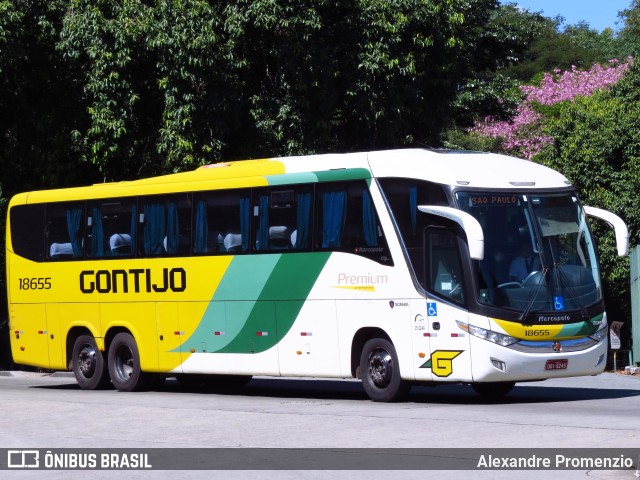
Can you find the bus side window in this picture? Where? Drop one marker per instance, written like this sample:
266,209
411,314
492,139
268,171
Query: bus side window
27,225
221,222
165,225
347,221
111,228
282,218
64,232
443,264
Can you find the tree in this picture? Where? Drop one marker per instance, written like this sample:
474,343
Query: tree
525,133
156,80
629,36
36,127
596,144
501,40
514,47
602,46
352,75
173,84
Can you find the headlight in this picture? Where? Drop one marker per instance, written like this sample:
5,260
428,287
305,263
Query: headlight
490,335
601,333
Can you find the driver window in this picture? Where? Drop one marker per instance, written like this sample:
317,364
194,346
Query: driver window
444,269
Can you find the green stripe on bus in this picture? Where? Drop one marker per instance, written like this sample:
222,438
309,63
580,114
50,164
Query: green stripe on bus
280,302
321,176
579,329
292,178
233,299
343,174
256,303
245,277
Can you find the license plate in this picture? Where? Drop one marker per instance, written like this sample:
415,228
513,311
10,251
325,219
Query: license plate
557,364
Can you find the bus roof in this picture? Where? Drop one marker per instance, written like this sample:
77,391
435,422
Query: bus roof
448,167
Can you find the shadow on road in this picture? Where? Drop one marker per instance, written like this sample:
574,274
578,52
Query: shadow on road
537,392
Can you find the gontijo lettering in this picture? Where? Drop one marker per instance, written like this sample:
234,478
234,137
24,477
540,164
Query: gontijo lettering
133,280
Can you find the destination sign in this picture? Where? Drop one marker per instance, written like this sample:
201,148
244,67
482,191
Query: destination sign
492,200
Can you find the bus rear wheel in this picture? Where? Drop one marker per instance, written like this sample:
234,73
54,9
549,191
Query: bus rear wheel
380,371
124,364
88,364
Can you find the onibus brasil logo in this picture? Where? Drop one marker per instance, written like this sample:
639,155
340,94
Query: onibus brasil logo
441,362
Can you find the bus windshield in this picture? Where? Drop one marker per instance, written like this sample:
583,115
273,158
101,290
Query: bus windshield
539,253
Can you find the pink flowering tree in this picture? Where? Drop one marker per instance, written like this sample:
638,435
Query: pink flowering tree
524,135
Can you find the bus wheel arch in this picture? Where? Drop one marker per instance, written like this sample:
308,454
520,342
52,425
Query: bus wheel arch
72,336
87,362
378,366
359,339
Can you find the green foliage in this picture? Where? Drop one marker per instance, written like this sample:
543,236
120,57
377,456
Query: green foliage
629,36
515,46
351,76
36,126
286,73
140,123
194,69
602,46
457,139
172,84
518,47
507,37
551,50
498,98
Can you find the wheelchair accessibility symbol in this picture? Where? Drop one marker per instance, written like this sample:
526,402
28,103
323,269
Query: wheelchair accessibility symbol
432,309
558,303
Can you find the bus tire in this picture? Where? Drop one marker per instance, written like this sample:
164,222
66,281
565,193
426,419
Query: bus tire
380,371
124,364
493,389
89,366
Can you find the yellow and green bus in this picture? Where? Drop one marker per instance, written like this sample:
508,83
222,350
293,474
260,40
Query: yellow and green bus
397,267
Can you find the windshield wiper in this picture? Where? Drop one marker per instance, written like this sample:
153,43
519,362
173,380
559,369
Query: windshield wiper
561,284
533,298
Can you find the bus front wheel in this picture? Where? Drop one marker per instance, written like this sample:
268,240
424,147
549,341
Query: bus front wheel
88,363
124,364
380,371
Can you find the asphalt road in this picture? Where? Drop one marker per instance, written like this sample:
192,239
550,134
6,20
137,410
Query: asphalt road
51,412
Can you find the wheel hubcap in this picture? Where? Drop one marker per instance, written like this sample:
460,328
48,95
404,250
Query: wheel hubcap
124,363
380,368
87,360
